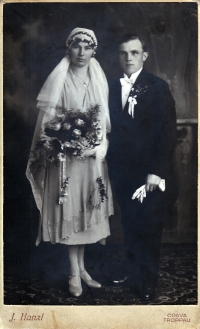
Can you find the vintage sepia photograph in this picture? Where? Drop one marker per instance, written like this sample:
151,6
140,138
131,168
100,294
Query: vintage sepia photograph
100,108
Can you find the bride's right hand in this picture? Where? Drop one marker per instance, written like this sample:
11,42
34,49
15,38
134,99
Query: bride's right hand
88,153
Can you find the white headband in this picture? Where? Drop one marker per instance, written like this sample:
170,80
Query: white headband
83,35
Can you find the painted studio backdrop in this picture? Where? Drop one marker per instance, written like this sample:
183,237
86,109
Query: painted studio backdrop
34,43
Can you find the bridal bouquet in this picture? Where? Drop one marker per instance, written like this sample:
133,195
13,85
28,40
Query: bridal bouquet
71,132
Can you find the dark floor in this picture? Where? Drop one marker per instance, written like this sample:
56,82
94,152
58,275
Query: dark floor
177,282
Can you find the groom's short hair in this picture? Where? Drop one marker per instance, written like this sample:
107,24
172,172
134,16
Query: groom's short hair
130,36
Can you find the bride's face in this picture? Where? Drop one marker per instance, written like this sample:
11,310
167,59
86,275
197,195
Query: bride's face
81,53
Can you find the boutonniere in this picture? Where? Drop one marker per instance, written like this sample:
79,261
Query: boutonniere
137,91
132,102
140,90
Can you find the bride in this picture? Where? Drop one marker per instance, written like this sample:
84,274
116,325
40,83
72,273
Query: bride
72,192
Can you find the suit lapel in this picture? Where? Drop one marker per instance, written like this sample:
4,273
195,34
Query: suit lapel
119,92
141,77
115,95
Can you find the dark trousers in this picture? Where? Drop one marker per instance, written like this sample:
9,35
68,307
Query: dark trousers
142,224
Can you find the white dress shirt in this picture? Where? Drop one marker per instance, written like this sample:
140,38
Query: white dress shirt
127,87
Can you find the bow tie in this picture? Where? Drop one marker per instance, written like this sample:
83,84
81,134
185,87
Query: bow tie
125,81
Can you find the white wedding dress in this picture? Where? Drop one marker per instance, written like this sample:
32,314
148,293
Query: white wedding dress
82,218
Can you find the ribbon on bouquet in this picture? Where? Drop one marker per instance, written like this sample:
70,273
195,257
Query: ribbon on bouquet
140,193
63,180
132,102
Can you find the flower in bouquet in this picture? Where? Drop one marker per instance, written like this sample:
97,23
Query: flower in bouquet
84,143
79,122
48,145
76,132
67,145
95,124
61,157
73,144
54,126
61,116
71,132
67,126
75,152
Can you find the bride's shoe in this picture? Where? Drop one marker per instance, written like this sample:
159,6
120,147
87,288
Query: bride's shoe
75,290
88,280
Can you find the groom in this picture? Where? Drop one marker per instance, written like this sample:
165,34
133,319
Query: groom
142,141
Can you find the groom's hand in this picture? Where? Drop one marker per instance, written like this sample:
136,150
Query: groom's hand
152,181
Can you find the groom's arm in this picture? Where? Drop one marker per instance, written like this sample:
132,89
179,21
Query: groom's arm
164,134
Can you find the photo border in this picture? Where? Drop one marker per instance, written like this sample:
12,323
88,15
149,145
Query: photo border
93,317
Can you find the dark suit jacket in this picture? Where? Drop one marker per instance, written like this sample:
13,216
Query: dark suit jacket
144,144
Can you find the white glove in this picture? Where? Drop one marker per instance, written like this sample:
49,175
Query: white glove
140,193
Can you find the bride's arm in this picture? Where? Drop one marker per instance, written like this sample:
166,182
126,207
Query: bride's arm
99,151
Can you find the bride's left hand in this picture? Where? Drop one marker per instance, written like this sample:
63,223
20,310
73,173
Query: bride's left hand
101,150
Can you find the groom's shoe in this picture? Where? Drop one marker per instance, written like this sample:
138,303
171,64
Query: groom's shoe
120,279
146,294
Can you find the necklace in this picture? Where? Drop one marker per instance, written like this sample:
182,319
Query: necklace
84,81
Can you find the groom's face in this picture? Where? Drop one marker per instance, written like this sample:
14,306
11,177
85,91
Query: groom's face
131,56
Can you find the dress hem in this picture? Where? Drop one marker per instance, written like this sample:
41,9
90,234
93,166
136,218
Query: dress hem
72,244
